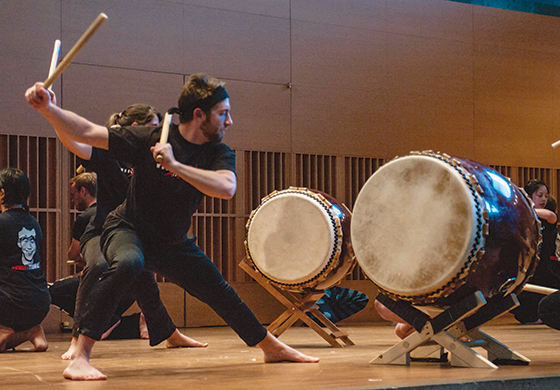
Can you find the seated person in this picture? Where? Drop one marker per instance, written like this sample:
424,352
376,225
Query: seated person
24,299
547,273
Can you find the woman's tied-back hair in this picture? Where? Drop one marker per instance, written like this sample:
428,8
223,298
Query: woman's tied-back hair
16,186
197,88
139,113
87,180
533,186
550,203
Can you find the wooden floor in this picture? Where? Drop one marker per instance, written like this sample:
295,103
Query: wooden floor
228,364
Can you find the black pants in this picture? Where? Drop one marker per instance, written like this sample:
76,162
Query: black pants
549,310
547,274
63,295
183,264
100,305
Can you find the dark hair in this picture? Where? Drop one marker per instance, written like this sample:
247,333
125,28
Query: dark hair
16,186
533,186
139,113
198,87
550,203
87,180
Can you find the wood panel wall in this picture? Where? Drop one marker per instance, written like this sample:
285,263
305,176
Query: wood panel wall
323,92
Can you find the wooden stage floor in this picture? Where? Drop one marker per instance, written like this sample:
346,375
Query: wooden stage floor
228,364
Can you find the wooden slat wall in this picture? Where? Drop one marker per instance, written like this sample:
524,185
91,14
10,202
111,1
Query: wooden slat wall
219,224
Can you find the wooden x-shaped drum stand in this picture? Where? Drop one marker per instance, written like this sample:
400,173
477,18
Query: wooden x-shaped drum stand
442,332
298,304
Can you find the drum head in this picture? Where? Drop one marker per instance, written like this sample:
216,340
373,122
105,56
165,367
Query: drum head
413,225
291,238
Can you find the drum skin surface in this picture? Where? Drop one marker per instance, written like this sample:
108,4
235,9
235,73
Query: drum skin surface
298,239
431,229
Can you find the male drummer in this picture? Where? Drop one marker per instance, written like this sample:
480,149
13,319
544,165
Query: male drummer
150,227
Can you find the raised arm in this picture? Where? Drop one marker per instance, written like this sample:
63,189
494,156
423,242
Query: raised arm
69,126
81,150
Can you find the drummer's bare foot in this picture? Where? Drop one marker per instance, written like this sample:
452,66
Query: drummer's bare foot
68,354
5,334
276,351
178,340
79,368
144,334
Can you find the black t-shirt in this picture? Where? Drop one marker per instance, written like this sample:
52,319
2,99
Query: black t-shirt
548,246
82,220
22,281
113,179
159,204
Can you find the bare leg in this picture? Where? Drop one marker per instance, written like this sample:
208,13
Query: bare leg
5,335
68,354
79,368
276,351
178,340
144,334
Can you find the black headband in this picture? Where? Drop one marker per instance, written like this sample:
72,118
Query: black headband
208,102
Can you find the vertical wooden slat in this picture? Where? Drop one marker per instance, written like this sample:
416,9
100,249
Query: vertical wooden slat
33,171
4,151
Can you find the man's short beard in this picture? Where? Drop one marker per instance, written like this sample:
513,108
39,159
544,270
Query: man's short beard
212,137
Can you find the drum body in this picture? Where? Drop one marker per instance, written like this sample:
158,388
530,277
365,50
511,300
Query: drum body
431,229
299,239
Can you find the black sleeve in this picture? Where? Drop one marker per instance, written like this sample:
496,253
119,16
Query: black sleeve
80,225
225,159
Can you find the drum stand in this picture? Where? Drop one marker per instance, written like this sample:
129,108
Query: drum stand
298,304
448,329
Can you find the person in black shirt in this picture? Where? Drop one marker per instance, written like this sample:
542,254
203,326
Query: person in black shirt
113,179
150,229
83,195
24,299
547,273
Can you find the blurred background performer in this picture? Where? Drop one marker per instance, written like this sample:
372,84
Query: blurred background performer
547,273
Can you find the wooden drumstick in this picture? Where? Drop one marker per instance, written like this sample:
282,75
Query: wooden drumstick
539,289
54,59
164,133
77,47
556,144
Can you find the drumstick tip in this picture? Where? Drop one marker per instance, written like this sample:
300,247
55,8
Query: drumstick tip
556,144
